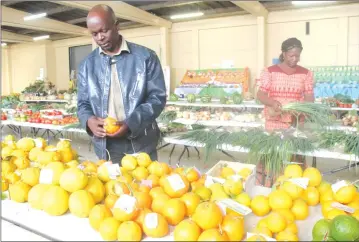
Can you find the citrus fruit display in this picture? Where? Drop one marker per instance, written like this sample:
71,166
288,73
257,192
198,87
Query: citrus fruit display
110,125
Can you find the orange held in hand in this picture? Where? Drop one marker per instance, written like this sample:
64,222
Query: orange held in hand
110,125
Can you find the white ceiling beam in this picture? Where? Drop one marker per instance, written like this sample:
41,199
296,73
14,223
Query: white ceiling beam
253,7
124,11
77,20
9,3
15,18
7,36
168,4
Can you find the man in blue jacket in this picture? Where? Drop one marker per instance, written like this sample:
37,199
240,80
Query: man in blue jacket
122,80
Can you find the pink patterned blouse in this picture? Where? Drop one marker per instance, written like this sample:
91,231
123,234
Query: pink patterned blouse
284,88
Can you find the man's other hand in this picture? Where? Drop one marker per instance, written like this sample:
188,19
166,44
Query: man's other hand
95,124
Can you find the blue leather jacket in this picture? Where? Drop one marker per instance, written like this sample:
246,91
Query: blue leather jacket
143,90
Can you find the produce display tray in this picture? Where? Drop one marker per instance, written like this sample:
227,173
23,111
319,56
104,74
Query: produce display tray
70,228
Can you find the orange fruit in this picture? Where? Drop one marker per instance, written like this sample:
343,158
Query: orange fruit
159,202
129,162
311,196
120,188
156,191
109,187
179,170
207,215
187,230
162,169
110,200
141,216
110,125
125,212
155,225
174,211
195,185
192,175
191,200
129,231
176,185
162,180
233,226
108,229
155,180
125,178
143,159
263,230
292,227
213,235
140,173
144,188
144,199
98,214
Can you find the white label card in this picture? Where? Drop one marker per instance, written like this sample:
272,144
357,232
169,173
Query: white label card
266,237
81,167
336,186
301,182
176,182
113,170
46,176
151,220
235,206
147,183
126,203
38,143
343,207
223,207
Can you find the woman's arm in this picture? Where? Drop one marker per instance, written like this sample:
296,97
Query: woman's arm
308,87
264,88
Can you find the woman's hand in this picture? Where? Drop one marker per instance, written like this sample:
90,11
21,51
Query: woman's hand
277,106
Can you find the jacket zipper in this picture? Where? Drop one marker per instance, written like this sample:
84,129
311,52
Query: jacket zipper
103,97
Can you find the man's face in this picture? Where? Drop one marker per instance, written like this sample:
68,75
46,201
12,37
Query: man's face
104,33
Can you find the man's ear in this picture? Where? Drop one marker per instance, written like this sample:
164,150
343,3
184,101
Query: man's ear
117,24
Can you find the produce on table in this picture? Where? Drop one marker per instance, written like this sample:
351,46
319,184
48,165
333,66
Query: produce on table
145,198
173,97
206,99
191,98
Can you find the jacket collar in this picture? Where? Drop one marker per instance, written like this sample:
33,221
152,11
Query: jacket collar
123,47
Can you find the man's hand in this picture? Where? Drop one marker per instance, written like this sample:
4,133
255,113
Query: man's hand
95,124
277,106
121,132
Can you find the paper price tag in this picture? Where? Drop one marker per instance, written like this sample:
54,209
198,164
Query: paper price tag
338,185
46,176
235,206
38,143
301,182
126,203
81,167
223,207
147,183
17,172
113,170
176,182
151,220
208,182
219,180
236,177
343,207
266,237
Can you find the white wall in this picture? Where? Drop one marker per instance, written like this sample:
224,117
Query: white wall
333,40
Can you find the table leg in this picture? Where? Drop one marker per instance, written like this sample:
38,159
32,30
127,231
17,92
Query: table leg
163,146
170,157
180,157
314,162
229,155
340,169
197,152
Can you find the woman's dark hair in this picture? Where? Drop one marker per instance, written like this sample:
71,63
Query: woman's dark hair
288,45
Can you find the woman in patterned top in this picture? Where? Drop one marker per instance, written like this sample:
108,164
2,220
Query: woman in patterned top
284,83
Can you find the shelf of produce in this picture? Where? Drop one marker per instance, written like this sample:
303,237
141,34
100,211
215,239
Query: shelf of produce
320,153
49,101
12,232
245,104
42,126
219,123
70,228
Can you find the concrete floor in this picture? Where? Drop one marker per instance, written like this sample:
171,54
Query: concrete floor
81,144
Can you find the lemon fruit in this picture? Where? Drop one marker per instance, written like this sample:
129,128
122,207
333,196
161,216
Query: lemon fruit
232,187
98,214
143,159
245,172
19,191
25,144
300,209
260,205
292,189
280,199
96,189
335,212
226,172
345,194
324,186
314,175
57,169
55,201
243,199
36,194
108,229
311,195
287,214
276,222
80,203
129,162
286,236
31,176
73,179
293,171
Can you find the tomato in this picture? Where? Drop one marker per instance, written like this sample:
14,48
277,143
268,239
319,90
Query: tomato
47,121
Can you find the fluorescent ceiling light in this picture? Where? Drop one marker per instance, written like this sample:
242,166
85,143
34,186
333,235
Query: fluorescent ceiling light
187,15
3,44
41,37
34,16
310,2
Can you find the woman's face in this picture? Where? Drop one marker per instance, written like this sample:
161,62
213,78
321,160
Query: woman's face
292,57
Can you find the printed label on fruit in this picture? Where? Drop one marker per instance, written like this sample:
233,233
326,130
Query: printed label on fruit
336,186
176,182
236,177
266,237
38,143
81,167
219,180
343,207
126,203
301,182
235,206
46,176
147,183
151,220
113,170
